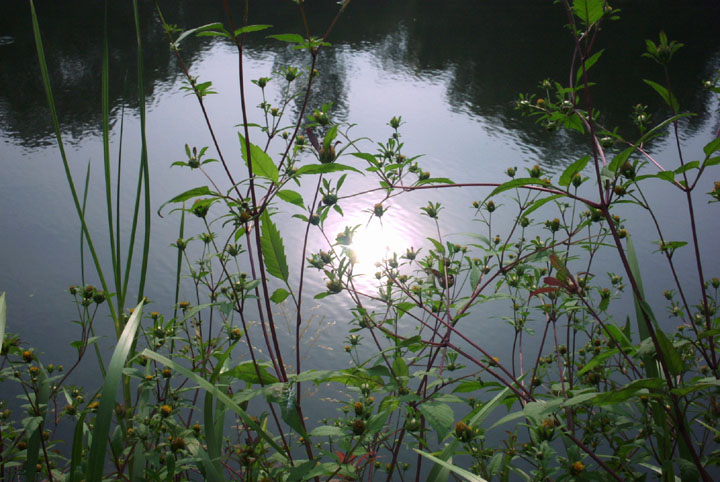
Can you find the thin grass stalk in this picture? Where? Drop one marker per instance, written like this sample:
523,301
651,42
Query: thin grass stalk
143,153
66,165
118,184
105,102
86,189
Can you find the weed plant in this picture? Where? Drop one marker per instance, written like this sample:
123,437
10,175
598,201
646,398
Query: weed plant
597,397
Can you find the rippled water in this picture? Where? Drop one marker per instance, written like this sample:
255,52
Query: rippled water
452,70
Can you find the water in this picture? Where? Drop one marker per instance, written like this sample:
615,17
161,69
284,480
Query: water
452,69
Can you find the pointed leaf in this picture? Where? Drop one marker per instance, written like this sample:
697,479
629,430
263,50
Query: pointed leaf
324,169
574,168
440,417
292,197
250,28
273,248
262,164
279,295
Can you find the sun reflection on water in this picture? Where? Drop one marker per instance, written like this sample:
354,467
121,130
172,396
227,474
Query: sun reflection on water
375,242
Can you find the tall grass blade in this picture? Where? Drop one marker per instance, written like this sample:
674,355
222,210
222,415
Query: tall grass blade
76,457
96,460
214,418
86,190
3,317
66,165
469,476
651,368
105,96
38,423
143,152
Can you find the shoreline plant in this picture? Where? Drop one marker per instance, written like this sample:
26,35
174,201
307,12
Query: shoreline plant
208,393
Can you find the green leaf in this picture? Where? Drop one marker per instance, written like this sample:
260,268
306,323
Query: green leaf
76,458
372,160
292,197
288,37
712,146
262,164
469,476
324,169
203,28
588,63
434,180
440,416
329,137
666,95
400,368
598,360
629,391
589,11
619,160
671,355
101,431
248,372
540,203
289,411
279,295
687,167
327,431
377,422
475,275
520,182
189,194
250,28
404,307
273,249
574,168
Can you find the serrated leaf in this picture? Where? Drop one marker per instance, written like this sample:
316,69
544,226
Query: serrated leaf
440,416
589,11
569,173
262,164
400,368
273,249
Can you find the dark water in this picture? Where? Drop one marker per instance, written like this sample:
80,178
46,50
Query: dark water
451,68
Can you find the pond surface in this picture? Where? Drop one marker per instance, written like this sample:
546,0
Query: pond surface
452,69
